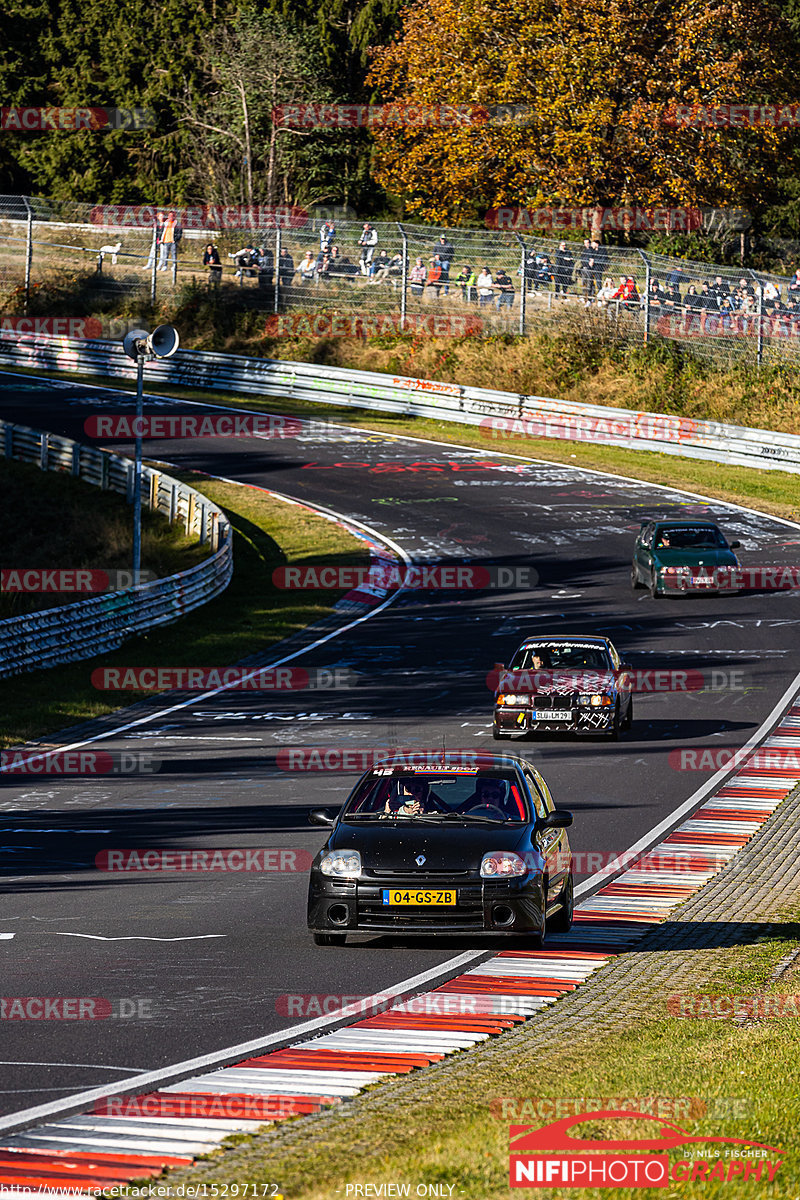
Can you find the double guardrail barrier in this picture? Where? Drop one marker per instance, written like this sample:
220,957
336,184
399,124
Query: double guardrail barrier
69,632
504,416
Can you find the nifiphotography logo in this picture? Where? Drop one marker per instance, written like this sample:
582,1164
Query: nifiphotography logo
633,1162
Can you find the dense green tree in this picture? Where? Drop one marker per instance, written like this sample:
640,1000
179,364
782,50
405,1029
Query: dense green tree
251,65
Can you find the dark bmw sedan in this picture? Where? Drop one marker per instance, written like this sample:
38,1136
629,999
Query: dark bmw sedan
576,685
446,847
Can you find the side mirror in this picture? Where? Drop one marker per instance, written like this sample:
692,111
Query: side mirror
322,816
735,545
560,818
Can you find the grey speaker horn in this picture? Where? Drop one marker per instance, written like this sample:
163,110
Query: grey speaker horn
164,341
133,340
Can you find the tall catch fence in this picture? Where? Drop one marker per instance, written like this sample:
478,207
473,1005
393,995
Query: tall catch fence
483,282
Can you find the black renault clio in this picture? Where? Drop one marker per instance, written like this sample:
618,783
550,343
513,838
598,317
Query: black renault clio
467,846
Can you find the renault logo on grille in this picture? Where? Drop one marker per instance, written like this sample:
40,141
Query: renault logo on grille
420,860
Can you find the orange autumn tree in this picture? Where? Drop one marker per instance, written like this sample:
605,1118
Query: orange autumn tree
598,77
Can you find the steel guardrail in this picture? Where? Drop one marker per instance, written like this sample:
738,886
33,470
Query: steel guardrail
503,415
70,632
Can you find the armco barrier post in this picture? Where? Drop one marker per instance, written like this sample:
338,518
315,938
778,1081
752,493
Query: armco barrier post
28,252
646,262
404,280
523,287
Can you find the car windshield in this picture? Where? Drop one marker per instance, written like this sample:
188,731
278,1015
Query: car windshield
472,795
561,657
689,537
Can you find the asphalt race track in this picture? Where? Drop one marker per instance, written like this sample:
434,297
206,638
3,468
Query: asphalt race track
204,961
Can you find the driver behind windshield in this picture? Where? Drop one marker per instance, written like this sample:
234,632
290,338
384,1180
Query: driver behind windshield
415,799
489,793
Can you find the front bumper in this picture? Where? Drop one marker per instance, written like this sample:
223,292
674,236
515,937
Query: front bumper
482,906
582,719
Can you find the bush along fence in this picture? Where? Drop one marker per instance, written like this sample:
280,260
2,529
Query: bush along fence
70,632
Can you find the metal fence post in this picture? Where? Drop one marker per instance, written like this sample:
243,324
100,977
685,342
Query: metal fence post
760,336
646,262
156,250
28,252
523,288
277,292
404,280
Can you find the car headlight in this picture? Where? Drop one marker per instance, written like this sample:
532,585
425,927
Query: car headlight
510,698
343,864
601,700
501,864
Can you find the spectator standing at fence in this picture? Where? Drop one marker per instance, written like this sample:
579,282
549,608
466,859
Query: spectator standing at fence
564,263
334,261
485,286
323,263
601,263
708,299
417,277
447,252
771,296
627,292
543,271
434,279
676,277
672,298
605,293
377,263
725,312
586,272
211,260
265,264
720,289
158,229
504,285
793,288
693,303
285,268
245,260
657,296
465,281
307,269
327,232
341,265
368,241
170,236
387,266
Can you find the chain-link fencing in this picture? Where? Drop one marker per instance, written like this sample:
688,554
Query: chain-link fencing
325,274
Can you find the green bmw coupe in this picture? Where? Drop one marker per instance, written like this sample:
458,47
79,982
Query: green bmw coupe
671,557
